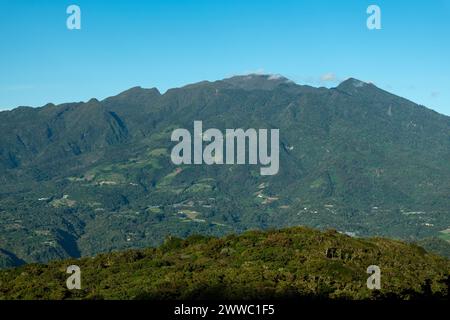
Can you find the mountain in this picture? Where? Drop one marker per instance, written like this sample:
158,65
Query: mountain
291,263
80,178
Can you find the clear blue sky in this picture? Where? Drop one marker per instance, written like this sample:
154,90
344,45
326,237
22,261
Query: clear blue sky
168,44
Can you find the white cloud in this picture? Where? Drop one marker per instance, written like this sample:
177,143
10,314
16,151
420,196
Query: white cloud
328,77
257,71
275,77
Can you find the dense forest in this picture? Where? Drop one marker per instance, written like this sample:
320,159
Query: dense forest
294,263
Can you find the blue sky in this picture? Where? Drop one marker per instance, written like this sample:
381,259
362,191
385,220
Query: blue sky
168,44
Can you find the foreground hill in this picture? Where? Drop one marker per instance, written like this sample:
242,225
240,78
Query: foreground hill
291,263
79,179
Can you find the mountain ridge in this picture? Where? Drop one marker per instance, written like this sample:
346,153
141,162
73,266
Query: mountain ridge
365,162
276,80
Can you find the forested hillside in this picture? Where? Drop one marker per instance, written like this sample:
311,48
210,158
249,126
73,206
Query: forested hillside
79,179
292,263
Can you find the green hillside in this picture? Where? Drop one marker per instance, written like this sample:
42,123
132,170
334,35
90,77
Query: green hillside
80,179
292,263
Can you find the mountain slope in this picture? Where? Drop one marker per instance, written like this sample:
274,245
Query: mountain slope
82,178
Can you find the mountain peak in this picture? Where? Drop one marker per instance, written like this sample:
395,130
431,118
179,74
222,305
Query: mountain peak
353,86
138,91
135,94
354,83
